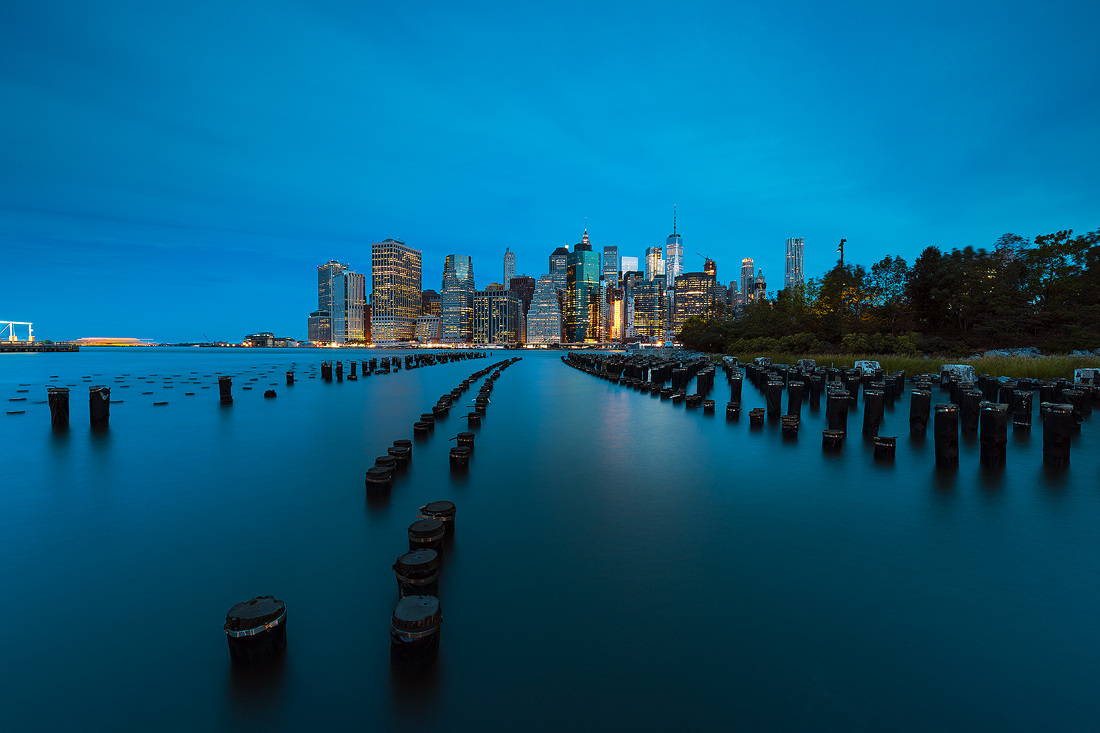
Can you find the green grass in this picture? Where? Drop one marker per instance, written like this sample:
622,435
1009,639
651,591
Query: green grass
1044,367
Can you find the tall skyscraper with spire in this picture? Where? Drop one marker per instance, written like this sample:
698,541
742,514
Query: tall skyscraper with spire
509,267
674,252
582,294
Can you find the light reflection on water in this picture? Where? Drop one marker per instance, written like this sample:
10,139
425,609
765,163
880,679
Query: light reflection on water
620,561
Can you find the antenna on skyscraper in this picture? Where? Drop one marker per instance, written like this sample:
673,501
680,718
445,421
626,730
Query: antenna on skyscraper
674,220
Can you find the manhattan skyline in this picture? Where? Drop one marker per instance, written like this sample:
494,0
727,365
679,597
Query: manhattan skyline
174,174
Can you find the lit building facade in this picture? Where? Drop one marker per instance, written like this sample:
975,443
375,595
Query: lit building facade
582,293
457,299
544,315
559,264
794,275
759,287
694,296
747,280
429,329
497,317
396,288
650,309
610,267
654,265
628,264
354,328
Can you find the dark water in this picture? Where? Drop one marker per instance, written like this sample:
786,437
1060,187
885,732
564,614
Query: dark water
620,562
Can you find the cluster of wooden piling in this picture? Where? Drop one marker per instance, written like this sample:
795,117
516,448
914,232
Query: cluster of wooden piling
648,374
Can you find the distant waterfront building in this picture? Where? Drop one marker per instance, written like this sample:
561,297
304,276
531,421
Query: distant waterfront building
457,299
319,327
610,267
747,280
694,296
509,266
582,294
267,340
794,274
654,265
326,277
760,287
631,279
395,296
342,294
650,308
429,303
524,288
674,252
710,267
429,329
628,264
497,316
544,316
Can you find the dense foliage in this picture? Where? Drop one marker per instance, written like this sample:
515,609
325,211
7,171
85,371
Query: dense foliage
1043,293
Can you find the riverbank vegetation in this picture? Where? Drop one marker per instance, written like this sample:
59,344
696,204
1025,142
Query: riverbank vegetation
1043,293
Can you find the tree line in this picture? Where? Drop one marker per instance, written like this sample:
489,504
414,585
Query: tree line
1043,292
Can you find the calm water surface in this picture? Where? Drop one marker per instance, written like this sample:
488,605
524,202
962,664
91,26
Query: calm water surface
620,562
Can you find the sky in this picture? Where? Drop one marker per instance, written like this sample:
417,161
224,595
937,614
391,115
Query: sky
176,171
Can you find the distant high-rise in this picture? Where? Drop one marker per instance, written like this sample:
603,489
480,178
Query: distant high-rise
396,288
747,281
429,303
559,262
582,293
524,288
544,316
759,286
674,252
319,327
650,307
354,327
497,316
509,266
654,265
610,267
794,275
457,299
341,294
710,267
694,294
628,264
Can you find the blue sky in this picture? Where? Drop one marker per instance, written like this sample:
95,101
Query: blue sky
177,169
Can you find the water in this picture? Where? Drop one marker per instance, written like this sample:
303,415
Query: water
619,563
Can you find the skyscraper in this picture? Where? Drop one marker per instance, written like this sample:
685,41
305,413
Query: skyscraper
559,261
610,267
509,266
793,275
524,289
457,299
710,267
396,288
582,293
497,316
747,280
629,264
341,294
354,307
319,327
650,305
694,294
654,265
759,286
544,316
674,252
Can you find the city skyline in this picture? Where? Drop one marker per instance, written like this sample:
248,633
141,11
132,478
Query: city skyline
261,155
